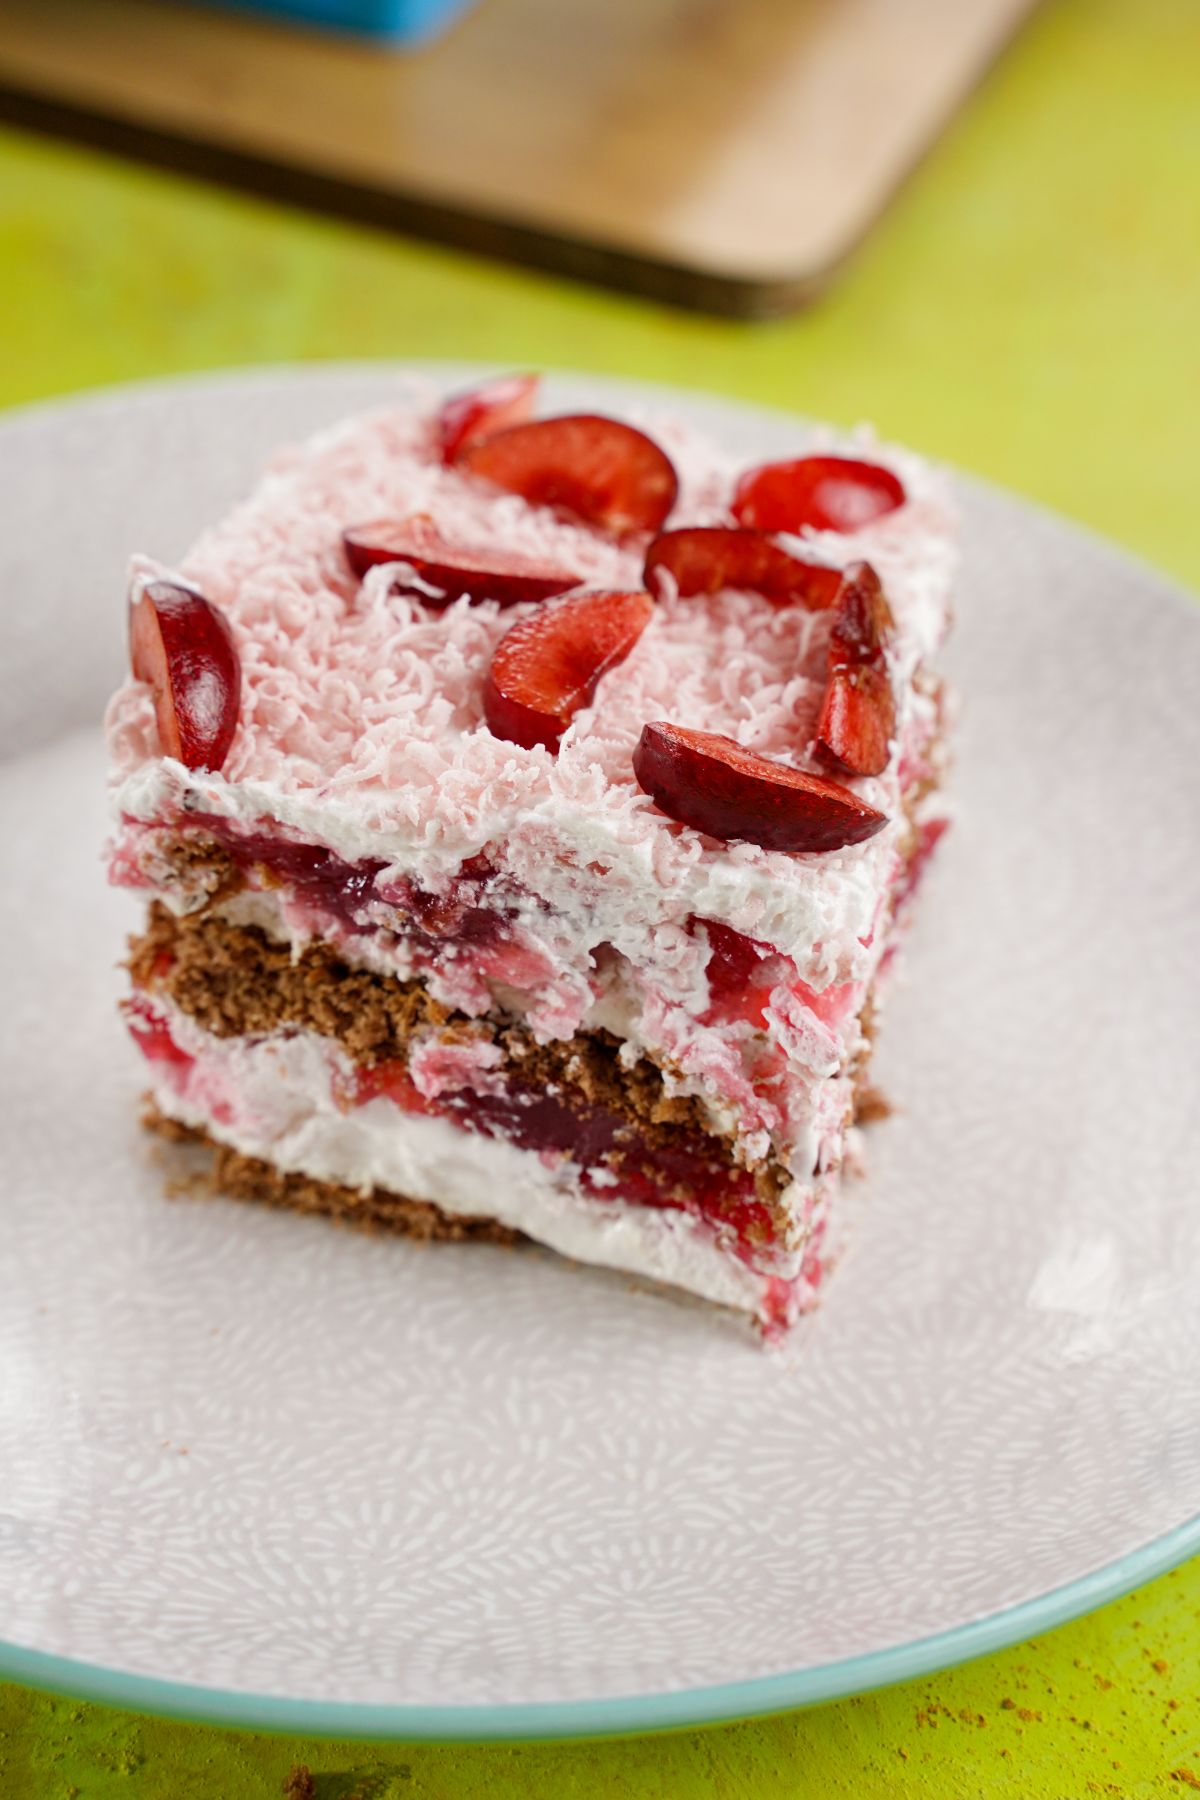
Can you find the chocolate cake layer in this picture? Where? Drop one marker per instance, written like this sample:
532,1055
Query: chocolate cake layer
234,981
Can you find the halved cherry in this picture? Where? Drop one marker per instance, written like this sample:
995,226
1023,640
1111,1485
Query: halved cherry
547,667
469,417
182,646
713,784
857,721
829,493
704,559
598,469
863,624
479,571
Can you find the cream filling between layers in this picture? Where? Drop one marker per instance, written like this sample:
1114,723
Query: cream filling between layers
274,1098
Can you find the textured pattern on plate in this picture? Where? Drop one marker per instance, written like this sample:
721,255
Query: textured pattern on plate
469,1476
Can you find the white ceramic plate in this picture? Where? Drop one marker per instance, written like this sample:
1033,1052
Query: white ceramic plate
256,1469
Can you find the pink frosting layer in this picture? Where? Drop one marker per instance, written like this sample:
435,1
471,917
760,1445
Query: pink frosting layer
369,705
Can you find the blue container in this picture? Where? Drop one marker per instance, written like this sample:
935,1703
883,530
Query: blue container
400,21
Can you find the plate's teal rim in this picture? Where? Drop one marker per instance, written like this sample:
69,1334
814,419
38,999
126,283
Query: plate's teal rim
625,1713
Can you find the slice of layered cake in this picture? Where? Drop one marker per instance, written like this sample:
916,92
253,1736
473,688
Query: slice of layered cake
527,809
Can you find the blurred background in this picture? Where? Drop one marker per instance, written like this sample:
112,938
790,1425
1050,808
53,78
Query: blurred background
974,222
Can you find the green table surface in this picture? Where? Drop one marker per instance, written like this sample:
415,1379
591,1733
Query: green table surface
1030,309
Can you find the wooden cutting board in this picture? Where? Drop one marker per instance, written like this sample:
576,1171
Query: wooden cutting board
724,154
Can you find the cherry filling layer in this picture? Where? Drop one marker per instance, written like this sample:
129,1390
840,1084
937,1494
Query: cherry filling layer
469,931
618,1159
347,891
743,973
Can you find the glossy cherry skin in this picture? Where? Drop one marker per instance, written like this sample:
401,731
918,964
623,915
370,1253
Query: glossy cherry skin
705,559
182,646
599,470
547,667
469,417
711,783
824,493
445,570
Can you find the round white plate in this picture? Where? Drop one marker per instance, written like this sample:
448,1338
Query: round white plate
256,1469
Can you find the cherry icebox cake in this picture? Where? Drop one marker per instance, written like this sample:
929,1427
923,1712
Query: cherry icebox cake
528,808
